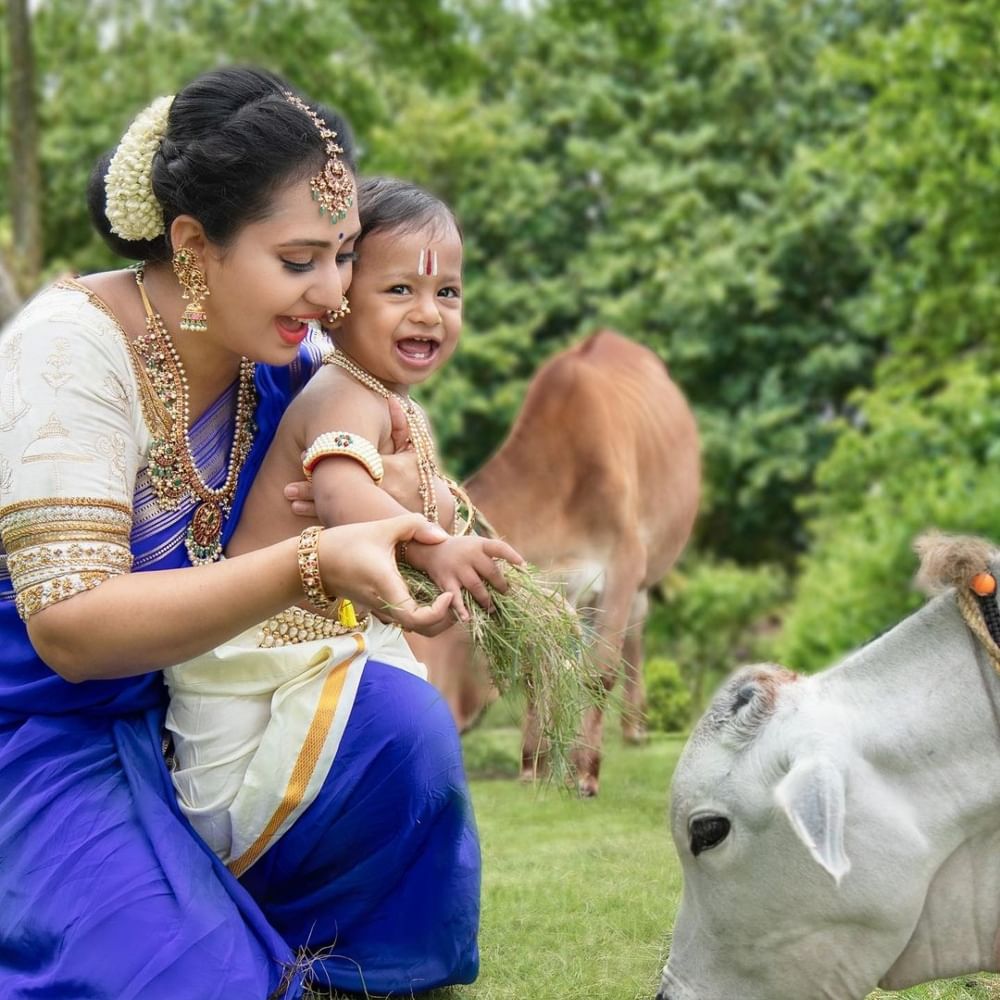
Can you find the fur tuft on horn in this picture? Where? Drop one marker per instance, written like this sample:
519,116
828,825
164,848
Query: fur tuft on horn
950,560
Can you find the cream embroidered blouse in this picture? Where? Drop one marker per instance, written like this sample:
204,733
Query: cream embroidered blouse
72,440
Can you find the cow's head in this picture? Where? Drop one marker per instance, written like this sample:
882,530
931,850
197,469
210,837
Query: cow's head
802,871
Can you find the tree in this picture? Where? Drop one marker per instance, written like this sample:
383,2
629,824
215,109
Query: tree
642,168
25,176
920,449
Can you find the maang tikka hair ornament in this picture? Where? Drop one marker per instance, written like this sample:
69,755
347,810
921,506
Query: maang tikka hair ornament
193,290
333,186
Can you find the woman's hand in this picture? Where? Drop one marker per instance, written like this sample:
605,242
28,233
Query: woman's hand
402,478
466,563
300,495
358,561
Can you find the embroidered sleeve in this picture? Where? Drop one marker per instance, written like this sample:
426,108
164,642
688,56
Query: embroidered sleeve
68,450
56,549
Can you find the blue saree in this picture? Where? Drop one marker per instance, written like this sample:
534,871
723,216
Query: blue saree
106,893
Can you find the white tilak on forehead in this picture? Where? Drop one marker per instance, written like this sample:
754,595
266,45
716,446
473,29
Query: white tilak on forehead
428,263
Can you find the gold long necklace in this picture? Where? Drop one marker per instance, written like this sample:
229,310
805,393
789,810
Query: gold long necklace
423,444
172,468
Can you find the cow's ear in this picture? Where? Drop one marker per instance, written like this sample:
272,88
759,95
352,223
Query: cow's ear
812,796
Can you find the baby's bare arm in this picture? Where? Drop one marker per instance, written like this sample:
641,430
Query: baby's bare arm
343,488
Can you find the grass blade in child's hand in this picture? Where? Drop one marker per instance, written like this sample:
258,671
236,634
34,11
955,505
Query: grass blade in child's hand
535,645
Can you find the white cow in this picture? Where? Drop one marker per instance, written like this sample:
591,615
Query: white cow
842,831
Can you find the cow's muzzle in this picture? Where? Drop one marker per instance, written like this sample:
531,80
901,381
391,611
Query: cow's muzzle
671,989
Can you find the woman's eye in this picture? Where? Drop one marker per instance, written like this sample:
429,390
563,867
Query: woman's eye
347,258
298,266
707,832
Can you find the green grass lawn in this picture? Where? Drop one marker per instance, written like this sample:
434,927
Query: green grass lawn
579,895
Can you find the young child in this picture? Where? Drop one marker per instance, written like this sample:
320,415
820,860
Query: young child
256,722
403,323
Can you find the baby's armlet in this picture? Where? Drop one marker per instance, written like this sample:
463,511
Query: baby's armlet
343,443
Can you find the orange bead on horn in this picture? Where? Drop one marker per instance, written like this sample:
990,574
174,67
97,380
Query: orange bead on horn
983,584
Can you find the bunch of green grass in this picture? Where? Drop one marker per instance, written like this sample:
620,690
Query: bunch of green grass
538,647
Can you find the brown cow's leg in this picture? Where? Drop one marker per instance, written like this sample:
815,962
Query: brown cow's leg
623,579
634,705
534,759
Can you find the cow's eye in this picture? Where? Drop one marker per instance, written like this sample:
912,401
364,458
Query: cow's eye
707,832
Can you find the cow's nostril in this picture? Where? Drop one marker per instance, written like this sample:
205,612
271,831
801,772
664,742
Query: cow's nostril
662,996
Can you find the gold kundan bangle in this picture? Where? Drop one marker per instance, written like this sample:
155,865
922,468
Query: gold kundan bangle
312,582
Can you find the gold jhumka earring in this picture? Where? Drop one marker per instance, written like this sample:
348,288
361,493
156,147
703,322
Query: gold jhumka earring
333,315
193,290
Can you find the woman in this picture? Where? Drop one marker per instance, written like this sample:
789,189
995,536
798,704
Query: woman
133,422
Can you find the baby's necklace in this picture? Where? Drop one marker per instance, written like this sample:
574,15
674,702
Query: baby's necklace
420,435
172,468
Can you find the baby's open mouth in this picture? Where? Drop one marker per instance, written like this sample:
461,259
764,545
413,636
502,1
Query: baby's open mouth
417,349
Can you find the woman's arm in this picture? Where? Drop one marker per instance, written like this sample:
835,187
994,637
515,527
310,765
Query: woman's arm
138,622
75,448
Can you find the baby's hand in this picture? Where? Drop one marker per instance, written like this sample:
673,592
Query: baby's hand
466,563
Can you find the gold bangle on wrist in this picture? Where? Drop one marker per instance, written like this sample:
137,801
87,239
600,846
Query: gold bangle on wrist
312,582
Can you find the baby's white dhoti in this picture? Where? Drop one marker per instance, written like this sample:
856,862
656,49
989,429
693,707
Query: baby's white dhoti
256,730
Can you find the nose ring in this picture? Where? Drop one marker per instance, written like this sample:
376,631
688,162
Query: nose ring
335,314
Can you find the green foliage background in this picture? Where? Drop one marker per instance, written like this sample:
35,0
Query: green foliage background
792,201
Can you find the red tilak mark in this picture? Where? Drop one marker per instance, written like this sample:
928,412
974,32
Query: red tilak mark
428,264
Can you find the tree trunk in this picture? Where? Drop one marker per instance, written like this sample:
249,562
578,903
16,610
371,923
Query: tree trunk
25,181
10,298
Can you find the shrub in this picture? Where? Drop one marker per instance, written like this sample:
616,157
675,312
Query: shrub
668,700
711,619
925,456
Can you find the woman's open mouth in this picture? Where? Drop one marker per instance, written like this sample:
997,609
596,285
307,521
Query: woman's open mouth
291,329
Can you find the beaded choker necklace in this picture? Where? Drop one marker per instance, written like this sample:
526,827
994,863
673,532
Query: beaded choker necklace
420,437
172,468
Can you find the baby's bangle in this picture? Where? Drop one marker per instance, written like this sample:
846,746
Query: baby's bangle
312,582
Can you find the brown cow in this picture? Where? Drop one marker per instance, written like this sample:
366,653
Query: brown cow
598,480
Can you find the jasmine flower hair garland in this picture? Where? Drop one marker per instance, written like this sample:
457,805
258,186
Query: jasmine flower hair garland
131,207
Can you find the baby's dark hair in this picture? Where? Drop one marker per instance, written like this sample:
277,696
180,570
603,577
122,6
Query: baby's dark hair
388,203
232,141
